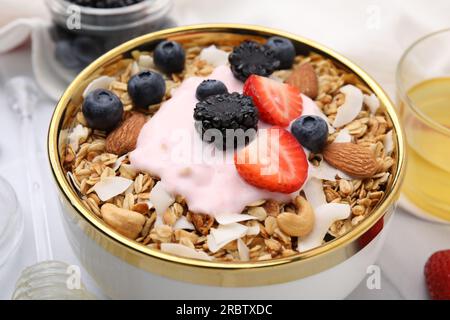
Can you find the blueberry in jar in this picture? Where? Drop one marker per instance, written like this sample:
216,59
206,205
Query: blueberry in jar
76,52
105,4
311,132
86,49
169,57
58,33
146,88
102,110
209,88
65,55
284,51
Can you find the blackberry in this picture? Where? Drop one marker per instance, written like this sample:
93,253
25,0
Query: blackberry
253,58
104,4
232,114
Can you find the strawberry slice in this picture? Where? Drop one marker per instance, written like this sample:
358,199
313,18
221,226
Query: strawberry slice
274,161
278,103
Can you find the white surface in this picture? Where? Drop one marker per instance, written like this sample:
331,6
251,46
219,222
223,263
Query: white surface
371,33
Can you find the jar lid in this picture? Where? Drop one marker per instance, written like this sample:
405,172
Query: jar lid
111,19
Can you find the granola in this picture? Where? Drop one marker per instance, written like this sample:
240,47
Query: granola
90,159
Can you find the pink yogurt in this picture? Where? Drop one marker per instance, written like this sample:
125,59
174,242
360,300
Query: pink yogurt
168,147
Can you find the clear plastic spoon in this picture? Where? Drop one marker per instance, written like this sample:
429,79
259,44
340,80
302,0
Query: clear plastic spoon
47,279
23,96
11,221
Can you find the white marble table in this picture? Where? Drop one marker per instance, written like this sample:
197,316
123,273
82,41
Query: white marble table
372,33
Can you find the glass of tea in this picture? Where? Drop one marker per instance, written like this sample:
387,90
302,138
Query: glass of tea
423,82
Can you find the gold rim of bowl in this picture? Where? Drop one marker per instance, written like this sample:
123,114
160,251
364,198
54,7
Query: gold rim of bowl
224,273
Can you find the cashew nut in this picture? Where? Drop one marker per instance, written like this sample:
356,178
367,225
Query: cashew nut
126,222
298,224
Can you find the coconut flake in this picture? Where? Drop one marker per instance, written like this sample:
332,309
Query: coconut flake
135,68
118,162
372,102
77,134
72,180
183,223
109,187
388,143
160,198
314,192
228,232
102,82
343,136
183,251
244,251
276,78
159,220
325,216
213,246
233,217
224,234
253,230
351,107
145,62
326,172
214,56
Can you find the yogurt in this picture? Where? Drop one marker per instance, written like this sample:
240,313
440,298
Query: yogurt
170,148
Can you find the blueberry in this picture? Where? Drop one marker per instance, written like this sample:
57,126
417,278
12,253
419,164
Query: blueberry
146,88
102,110
311,132
210,88
86,49
284,51
65,56
58,33
169,57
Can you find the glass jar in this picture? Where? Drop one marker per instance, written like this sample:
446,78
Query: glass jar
423,82
49,280
81,34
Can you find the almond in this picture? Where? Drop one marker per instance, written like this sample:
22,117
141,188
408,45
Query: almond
124,138
353,159
305,79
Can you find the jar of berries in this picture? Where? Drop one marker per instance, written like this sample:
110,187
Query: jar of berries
82,30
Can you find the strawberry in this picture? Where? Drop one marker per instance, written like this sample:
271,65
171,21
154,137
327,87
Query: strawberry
274,161
437,275
278,103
